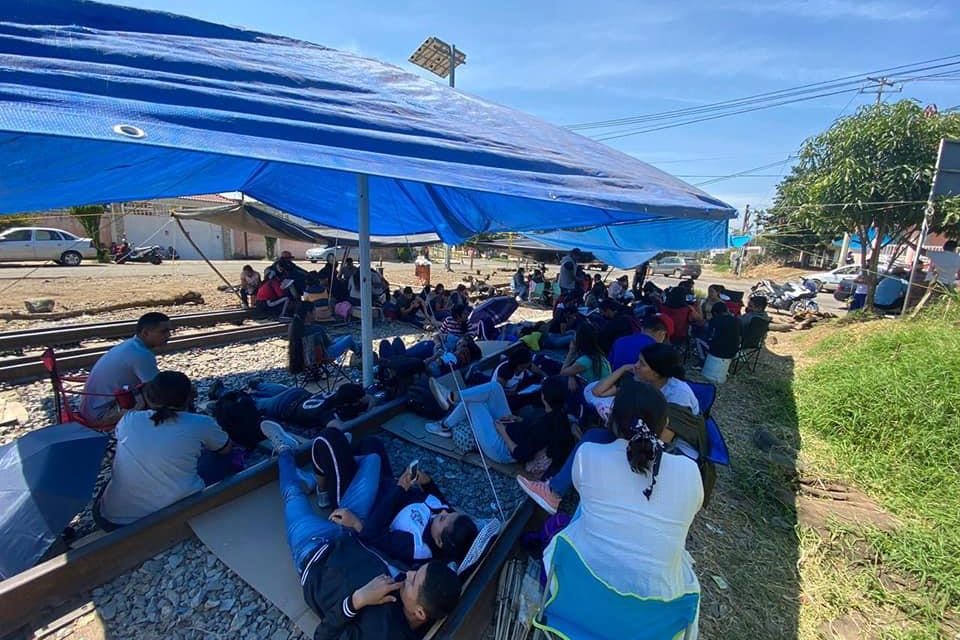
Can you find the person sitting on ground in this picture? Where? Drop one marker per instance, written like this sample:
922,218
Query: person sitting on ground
619,288
410,520
614,322
410,307
756,308
562,329
460,296
271,299
585,359
347,269
627,349
304,338
164,454
518,371
293,278
637,502
722,344
465,351
344,582
519,284
249,283
440,303
454,326
597,294
125,366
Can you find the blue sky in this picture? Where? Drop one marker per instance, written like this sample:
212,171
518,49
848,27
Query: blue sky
571,61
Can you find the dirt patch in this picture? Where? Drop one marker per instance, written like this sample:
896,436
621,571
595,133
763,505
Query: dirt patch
772,272
820,504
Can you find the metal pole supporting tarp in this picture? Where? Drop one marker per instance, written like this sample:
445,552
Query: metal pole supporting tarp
366,293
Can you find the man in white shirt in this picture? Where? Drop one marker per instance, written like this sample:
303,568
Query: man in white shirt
128,364
567,278
945,264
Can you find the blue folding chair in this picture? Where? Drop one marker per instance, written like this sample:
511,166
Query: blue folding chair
706,393
581,606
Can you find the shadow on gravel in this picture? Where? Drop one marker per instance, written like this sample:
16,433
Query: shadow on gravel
745,543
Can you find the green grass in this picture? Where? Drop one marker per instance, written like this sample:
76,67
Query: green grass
887,402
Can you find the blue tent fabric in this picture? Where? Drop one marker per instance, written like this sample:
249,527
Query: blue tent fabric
46,478
100,103
740,241
628,245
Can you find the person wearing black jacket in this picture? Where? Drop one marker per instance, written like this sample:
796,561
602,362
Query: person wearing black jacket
345,582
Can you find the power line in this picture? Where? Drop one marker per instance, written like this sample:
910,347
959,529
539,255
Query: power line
773,95
744,172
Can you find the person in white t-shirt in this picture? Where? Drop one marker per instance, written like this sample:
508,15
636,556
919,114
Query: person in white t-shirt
637,502
129,364
945,264
158,453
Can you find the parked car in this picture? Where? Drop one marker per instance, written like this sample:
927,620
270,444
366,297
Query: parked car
845,289
319,254
38,243
676,266
829,280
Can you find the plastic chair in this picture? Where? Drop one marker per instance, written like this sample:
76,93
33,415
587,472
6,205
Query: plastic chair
62,393
706,394
752,341
581,606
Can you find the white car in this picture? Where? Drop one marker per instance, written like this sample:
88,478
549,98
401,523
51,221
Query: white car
36,243
830,280
319,254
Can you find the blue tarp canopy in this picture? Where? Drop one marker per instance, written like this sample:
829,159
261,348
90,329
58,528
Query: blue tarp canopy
628,245
101,103
740,241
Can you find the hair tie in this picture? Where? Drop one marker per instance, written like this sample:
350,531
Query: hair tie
642,431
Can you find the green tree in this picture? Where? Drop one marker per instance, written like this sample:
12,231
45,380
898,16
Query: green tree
869,174
89,218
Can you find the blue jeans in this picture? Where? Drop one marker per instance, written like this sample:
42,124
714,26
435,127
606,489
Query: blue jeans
486,403
858,302
339,346
561,483
273,399
306,530
421,351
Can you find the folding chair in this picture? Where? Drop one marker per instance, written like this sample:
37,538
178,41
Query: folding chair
706,393
318,365
752,341
582,606
62,393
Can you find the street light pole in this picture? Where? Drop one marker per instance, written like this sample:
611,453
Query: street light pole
440,58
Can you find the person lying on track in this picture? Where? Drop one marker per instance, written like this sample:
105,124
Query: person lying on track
345,583
129,364
164,454
411,521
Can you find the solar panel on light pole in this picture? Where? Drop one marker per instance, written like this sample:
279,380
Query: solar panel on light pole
436,56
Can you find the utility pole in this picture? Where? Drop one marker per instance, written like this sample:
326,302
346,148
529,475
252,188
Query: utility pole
743,231
879,84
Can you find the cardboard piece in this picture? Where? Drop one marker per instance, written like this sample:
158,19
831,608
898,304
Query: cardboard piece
248,535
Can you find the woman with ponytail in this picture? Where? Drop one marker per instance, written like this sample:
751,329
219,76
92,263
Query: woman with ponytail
164,454
637,502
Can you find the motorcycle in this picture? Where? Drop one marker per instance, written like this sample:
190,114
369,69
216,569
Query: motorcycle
792,297
152,254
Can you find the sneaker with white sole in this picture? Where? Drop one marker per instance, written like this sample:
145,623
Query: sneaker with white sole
541,493
441,394
439,429
279,438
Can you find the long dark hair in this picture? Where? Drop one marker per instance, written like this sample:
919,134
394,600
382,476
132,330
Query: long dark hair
166,394
295,359
639,416
458,538
588,344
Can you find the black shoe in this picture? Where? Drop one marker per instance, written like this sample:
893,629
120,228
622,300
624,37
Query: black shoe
216,390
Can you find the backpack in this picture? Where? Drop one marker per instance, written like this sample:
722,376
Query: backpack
421,401
693,429
236,413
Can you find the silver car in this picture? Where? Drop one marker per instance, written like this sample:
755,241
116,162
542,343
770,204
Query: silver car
319,254
830,280
20,244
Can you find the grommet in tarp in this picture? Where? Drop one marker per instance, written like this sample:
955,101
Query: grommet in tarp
129,131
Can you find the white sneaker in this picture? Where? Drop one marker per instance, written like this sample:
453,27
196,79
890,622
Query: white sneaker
439,429
441,393
279,438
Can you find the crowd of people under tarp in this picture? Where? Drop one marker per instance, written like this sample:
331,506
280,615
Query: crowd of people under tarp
594,399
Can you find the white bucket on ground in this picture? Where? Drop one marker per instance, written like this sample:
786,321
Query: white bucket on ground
715,369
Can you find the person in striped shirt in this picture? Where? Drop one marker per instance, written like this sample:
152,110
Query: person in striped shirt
454,326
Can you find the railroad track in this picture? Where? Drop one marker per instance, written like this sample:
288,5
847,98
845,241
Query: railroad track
27,368
51,589
17,341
